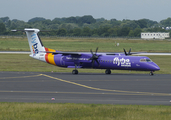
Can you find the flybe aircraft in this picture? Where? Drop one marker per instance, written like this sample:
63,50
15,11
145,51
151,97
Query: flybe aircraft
75,60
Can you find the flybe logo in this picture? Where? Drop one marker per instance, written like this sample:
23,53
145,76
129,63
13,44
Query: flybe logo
34,44
122,62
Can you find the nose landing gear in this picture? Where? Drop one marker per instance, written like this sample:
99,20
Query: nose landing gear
151,73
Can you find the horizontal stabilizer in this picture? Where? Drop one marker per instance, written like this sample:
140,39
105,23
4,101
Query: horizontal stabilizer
30,30
25,30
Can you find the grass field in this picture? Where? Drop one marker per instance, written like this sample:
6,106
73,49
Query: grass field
44,111
53,111
78,44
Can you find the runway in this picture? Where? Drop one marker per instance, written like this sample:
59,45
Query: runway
140,89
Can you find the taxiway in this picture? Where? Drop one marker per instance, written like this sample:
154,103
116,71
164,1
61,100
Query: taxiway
140,89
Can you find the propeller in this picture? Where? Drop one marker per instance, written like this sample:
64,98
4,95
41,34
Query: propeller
129,53
94,57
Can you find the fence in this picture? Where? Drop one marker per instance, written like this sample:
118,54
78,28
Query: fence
68,37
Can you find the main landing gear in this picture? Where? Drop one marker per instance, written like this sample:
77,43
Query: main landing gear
75,71
151,73
108,71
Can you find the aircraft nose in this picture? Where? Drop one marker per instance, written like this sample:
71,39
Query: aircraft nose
155,67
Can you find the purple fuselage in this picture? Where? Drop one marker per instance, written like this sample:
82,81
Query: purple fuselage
114,62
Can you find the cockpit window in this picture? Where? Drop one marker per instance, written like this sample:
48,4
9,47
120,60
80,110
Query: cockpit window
145,60
148,60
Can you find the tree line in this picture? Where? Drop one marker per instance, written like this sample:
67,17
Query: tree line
86,26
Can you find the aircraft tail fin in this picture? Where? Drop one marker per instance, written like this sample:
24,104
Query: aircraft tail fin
35,43
34,40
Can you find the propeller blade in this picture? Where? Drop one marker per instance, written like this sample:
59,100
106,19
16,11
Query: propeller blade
93,63
97,62
125,51
129,51
96,50
91,51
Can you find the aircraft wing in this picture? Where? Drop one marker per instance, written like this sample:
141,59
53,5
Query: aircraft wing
79,54
122,54
64,53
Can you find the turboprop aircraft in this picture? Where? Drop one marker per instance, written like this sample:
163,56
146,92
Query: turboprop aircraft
108,61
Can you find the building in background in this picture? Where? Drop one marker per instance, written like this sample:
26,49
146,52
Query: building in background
153,35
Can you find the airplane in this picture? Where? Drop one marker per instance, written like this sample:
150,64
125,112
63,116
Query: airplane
75,60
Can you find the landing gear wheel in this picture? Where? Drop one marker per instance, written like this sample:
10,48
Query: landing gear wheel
151,73
75,72
108,71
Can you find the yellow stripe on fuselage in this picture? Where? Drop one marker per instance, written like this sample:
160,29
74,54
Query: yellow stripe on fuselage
51,57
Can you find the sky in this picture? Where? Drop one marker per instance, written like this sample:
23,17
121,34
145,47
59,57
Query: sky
25,10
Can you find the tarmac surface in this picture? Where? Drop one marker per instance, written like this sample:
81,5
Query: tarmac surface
140,89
